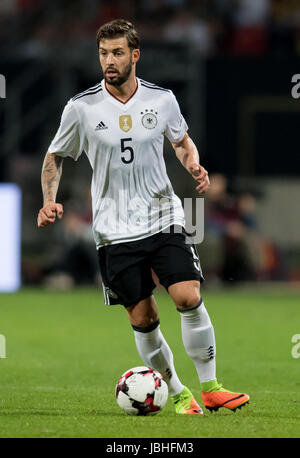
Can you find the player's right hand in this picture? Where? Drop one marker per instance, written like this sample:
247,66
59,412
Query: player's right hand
48,214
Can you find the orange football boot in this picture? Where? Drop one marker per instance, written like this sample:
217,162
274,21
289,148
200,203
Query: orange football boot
214,400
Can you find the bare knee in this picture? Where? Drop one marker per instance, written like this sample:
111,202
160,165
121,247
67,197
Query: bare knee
185,294
144,313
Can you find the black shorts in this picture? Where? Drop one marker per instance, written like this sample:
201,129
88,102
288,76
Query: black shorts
126,267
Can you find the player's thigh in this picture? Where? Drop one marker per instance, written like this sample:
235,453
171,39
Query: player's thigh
127,280
133,285
144,313
185,294
177,266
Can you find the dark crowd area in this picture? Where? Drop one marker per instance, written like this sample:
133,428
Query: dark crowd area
230,64
210,27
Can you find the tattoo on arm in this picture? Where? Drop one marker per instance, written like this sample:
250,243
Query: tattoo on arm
51,174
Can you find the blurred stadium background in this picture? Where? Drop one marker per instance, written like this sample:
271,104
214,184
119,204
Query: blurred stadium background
230,64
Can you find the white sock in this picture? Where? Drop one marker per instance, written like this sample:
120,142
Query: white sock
156,353
199,340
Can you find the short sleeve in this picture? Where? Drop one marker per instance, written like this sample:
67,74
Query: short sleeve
68,141
176,125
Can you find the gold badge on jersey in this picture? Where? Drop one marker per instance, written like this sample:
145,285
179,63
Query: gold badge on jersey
125,122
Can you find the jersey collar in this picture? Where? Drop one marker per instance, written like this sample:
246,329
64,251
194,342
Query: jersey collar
119,103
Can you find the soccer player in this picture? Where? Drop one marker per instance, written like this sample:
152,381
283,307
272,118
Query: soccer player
138,221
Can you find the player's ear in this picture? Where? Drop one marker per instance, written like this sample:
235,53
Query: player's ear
135,55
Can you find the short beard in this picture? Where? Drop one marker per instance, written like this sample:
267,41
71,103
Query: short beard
122,78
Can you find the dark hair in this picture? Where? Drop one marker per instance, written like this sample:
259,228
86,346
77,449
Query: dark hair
119,28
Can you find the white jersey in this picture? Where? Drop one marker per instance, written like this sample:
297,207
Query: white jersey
132,197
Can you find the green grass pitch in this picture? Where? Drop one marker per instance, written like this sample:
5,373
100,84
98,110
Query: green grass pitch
66,351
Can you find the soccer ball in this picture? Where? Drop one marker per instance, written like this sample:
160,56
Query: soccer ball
141,391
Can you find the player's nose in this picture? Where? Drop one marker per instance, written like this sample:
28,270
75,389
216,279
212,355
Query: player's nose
109,59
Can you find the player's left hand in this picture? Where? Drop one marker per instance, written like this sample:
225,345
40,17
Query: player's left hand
201,176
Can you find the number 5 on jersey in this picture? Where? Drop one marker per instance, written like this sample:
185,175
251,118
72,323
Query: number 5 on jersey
129,155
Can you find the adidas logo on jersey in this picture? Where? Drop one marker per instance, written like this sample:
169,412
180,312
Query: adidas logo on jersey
101,126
